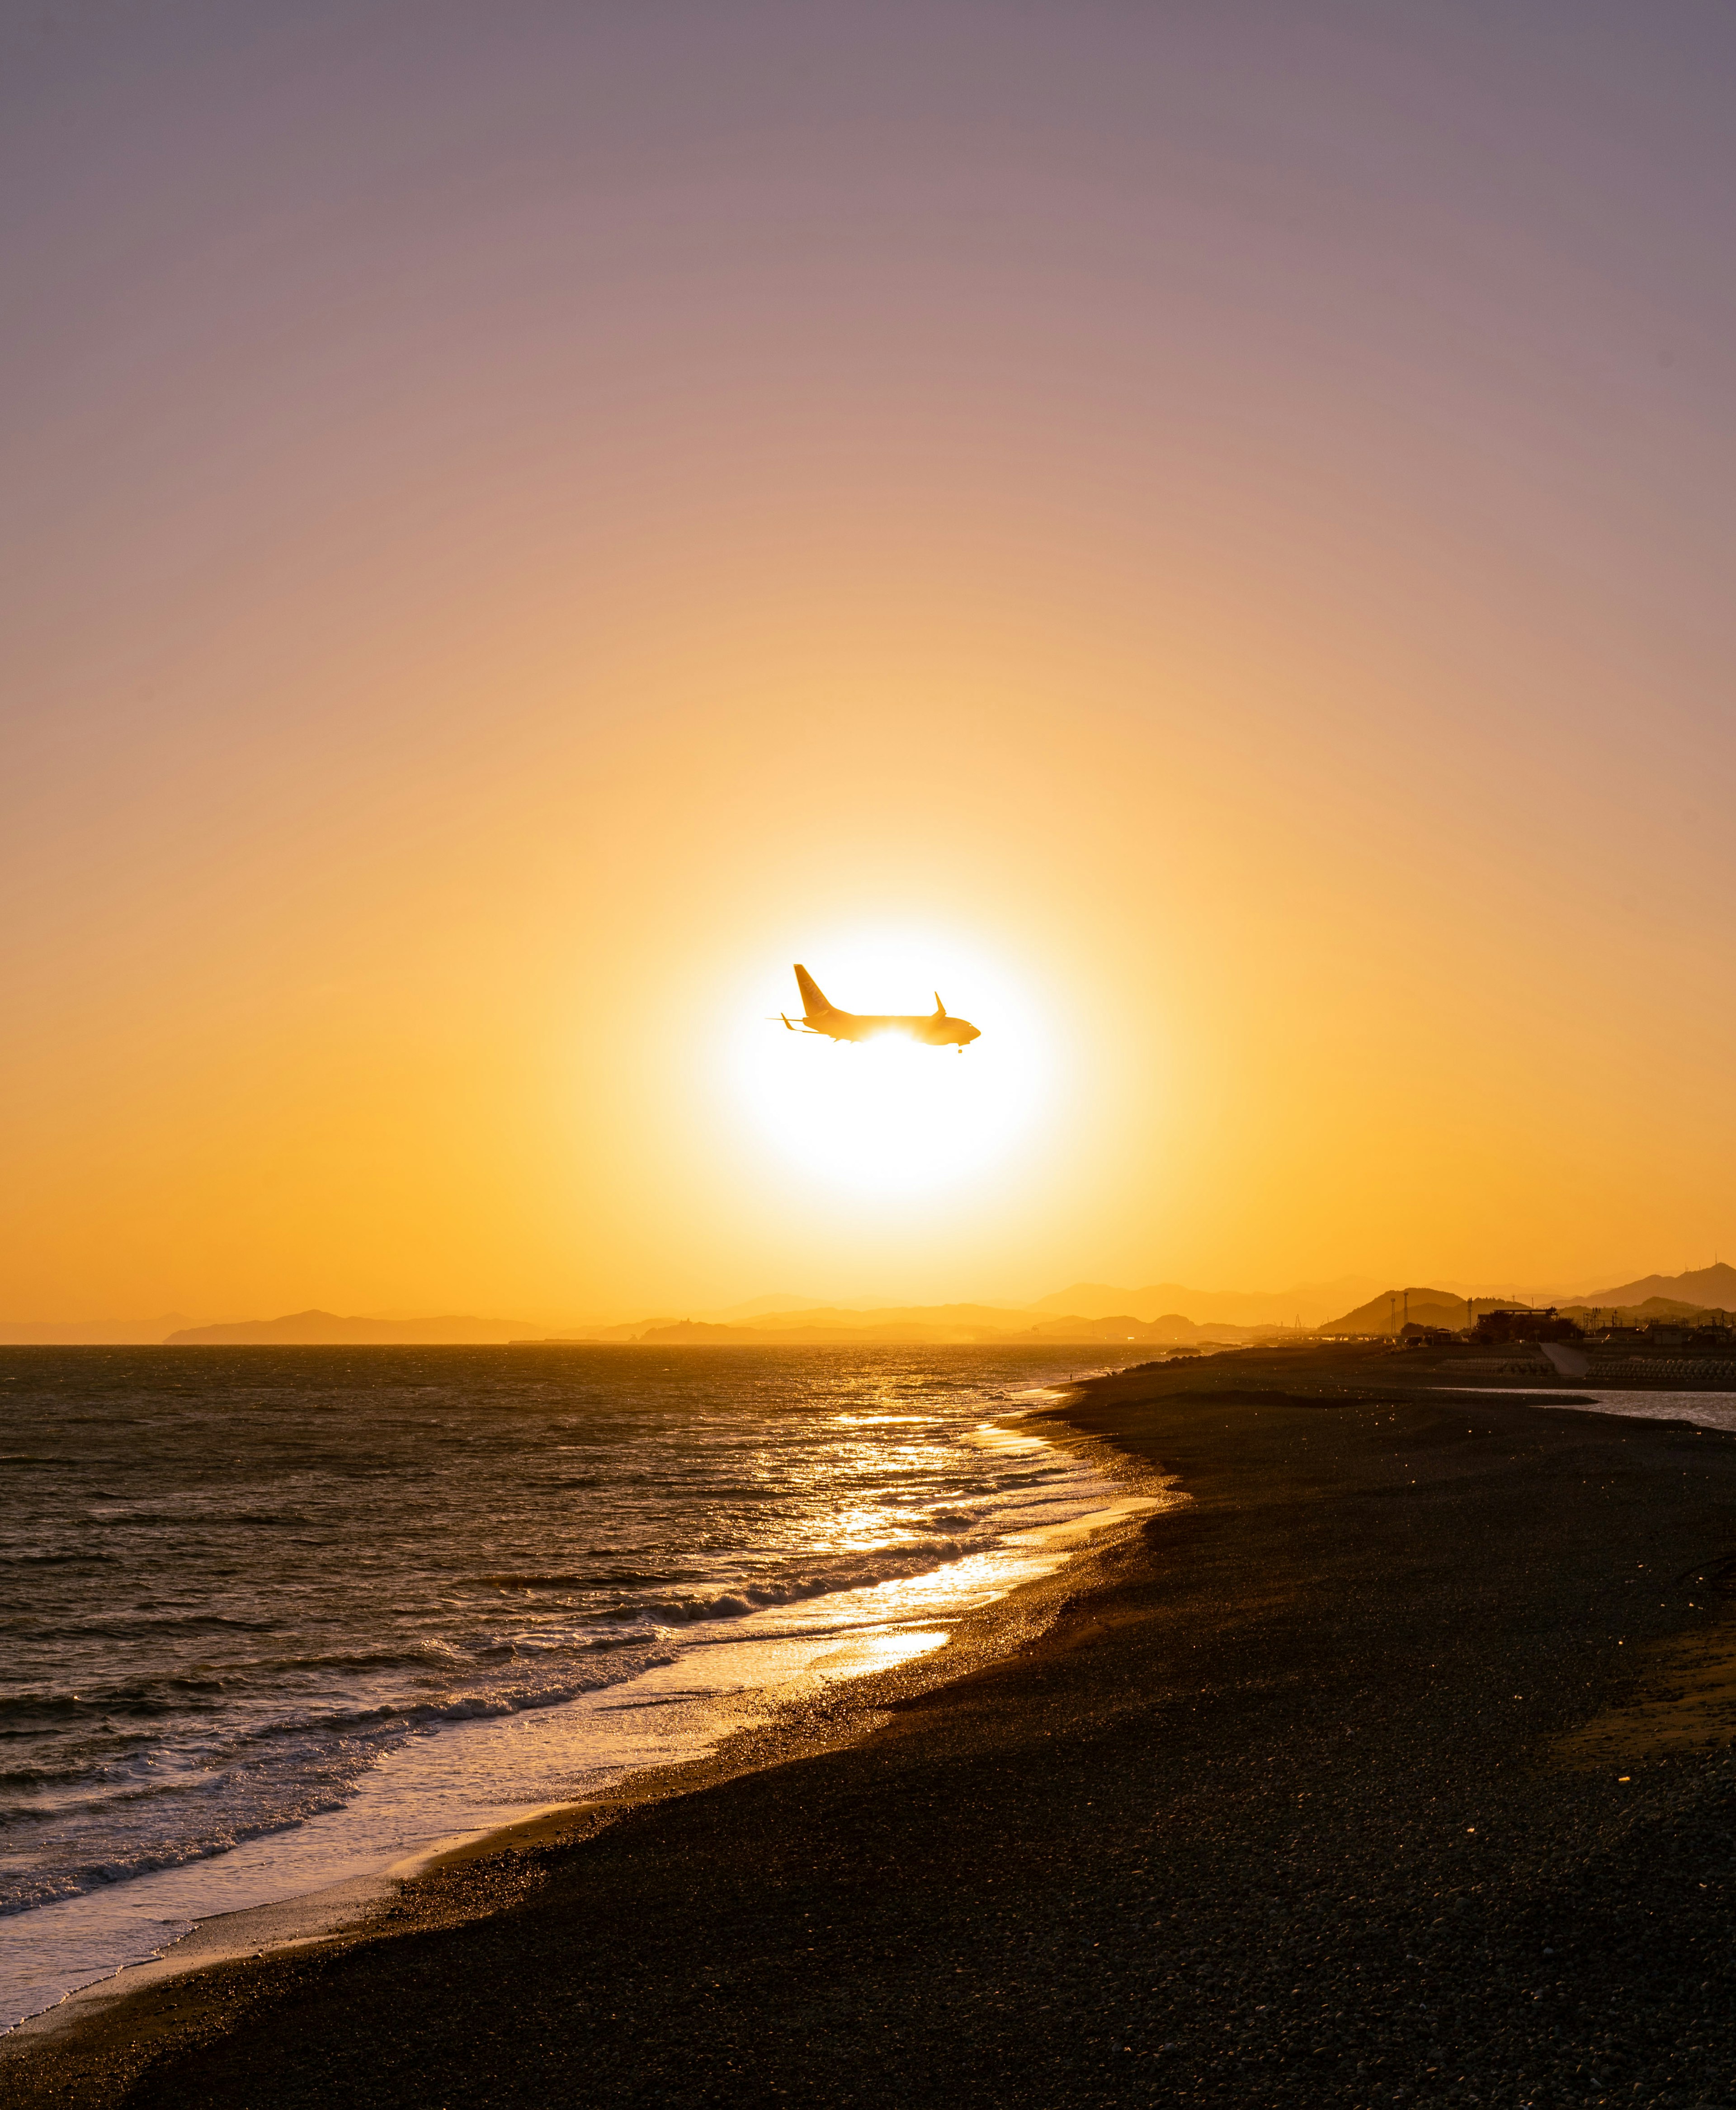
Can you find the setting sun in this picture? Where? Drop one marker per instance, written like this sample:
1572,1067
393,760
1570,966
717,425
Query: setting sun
890,1116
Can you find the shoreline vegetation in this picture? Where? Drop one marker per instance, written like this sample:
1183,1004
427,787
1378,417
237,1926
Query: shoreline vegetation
1390,1764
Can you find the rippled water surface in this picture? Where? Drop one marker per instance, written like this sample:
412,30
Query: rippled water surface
274,1616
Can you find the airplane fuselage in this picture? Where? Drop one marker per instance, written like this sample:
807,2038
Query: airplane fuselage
941,1032
821,1015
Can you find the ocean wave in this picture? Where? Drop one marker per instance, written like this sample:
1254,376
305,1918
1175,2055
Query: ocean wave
22,1714
25,1558
190,1516
434,1654
189,1622
45,1888
739,1601
246,1793
48,1776
613,1578
409,1711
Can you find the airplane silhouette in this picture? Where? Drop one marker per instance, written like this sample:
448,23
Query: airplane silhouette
818,1016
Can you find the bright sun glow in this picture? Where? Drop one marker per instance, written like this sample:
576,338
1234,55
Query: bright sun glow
890,1116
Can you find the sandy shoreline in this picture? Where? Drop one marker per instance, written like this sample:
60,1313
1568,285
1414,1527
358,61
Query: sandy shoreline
1309,1791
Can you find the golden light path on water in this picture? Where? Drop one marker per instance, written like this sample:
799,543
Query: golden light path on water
890,1116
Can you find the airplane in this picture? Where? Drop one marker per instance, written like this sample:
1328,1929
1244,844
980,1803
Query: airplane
818,1016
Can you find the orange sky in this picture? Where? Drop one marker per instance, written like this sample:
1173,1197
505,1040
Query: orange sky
522,524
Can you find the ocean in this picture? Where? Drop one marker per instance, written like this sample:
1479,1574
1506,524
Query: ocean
277,1618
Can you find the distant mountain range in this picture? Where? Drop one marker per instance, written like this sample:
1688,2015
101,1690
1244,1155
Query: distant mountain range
1704,1289
1162,1314
929,1325
326,1329
960,1322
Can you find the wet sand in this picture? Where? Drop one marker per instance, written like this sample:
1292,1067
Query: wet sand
1309,1791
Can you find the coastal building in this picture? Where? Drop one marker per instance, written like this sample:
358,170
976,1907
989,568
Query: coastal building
1545,1324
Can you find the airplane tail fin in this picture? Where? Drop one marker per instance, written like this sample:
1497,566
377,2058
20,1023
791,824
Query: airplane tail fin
813,997
940,1009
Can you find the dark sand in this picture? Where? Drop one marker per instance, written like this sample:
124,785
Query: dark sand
1306,1792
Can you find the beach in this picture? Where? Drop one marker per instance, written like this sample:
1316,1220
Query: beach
1390,1764
281,1619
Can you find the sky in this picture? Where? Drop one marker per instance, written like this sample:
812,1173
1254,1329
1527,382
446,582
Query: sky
1205,533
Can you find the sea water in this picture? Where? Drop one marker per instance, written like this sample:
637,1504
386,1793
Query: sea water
273,1619
1709,1409
1705,1409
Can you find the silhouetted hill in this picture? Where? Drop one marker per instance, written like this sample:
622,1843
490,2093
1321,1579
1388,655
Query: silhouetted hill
929,1325
1170,1330
1666,1310
919,1323
687,1333
1311,1302
1382,1315
328,1329
861,1332
1701,1289
1427,1307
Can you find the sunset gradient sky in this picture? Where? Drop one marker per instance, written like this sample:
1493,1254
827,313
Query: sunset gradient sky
1207,531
